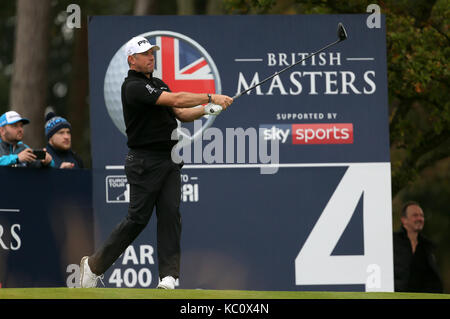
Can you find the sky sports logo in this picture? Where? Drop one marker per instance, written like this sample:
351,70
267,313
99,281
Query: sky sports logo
306,134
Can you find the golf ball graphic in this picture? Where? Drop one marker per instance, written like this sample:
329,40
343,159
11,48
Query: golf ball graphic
181,63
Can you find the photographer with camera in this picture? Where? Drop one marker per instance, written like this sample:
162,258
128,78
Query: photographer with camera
13,152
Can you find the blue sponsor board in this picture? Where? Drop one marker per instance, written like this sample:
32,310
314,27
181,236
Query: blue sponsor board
46,225
322,219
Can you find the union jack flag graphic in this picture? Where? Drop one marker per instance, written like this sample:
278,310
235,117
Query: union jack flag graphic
182,67
182,63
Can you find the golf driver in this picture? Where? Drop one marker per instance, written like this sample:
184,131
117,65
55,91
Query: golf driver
342,35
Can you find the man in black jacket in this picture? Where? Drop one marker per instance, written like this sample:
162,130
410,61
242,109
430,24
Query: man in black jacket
150,111
59,136
415,268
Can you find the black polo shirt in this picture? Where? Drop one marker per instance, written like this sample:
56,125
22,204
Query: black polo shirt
148,126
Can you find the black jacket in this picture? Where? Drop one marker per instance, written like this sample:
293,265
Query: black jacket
416,272
64,156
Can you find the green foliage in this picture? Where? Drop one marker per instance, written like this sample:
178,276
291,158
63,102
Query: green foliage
248,6
418,78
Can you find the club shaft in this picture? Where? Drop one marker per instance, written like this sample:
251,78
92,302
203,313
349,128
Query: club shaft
285,69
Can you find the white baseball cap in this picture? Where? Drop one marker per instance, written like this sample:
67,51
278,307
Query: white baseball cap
12,117
138,45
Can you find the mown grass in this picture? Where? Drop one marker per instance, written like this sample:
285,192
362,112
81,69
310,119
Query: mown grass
127,293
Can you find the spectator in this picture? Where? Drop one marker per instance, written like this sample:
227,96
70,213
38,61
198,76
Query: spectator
13,152
415,268
58,132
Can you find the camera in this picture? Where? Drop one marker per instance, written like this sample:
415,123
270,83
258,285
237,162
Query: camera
40,154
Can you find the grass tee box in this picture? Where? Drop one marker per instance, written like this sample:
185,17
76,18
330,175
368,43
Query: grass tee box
112,293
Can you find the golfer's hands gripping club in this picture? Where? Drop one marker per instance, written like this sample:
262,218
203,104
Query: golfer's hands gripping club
212,109
218,104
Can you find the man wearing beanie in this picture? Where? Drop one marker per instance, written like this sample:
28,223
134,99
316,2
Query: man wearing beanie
58,133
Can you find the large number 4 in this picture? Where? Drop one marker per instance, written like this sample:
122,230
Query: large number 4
315,265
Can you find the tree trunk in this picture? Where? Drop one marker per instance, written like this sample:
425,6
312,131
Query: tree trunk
28,95
214,7
78,114
145,7
186,7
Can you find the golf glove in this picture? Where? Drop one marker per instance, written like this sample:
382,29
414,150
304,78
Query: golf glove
213,109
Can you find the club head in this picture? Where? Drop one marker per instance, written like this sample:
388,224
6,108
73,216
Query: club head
342,34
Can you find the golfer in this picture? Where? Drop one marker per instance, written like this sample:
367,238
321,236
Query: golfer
150,111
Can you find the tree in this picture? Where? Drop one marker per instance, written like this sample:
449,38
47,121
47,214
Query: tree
69,60
7,22
28,95
77,100
144,7
418,89
186,7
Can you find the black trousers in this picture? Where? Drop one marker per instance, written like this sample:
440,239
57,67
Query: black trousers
154,182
